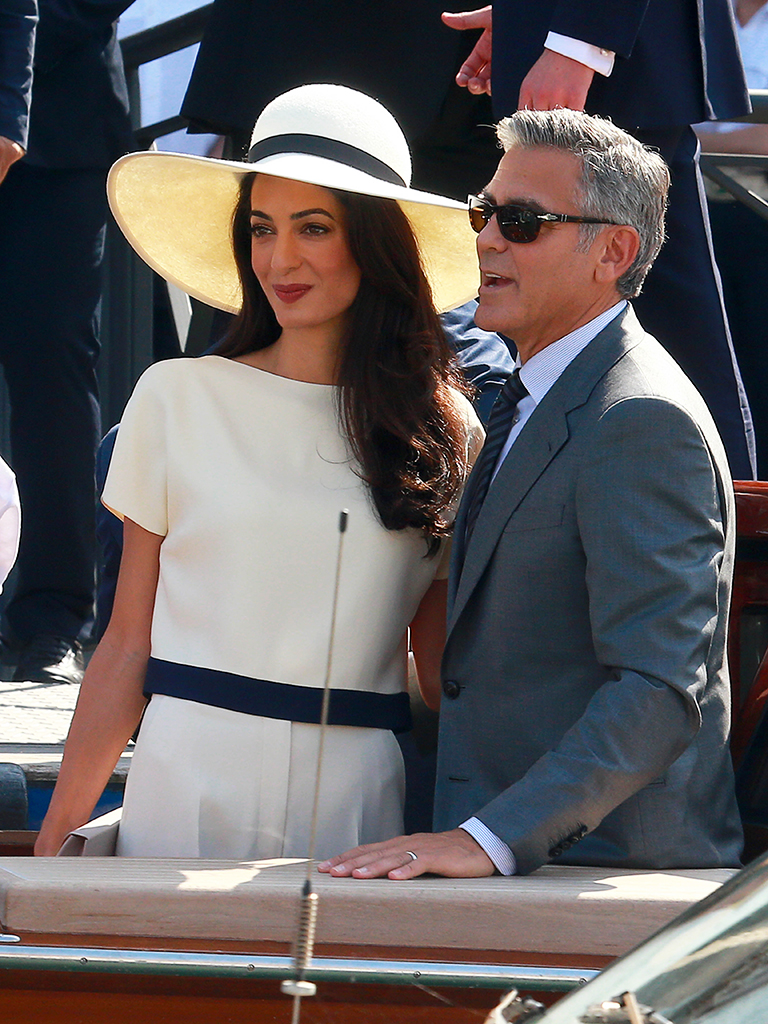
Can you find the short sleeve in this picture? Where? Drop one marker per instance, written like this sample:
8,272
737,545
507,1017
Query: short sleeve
137,479
10,521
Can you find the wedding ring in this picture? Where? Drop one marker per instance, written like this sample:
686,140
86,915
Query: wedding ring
411,854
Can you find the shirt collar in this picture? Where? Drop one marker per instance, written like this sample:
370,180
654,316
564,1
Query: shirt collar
543,369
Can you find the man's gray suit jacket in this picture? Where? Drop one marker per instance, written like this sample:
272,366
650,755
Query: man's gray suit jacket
586,691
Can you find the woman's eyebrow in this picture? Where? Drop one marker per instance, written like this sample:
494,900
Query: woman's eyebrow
296,216
310,213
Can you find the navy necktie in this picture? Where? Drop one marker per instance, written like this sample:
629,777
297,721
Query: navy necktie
499,425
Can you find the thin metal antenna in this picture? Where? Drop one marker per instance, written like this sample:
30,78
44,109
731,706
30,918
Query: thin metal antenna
298,986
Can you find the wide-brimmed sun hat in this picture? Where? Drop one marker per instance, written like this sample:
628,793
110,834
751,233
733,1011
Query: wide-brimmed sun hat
176,209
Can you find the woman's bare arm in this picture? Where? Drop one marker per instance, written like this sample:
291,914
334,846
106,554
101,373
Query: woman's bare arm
111,700
428,628
428,641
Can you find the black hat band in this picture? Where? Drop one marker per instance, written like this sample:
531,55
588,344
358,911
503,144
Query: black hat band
331,149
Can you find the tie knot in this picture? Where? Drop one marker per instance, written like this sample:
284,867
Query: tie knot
514,389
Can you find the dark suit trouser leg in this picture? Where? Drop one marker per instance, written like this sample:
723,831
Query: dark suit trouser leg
682,305
51,247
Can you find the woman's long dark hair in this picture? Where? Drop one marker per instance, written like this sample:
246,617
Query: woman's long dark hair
395,370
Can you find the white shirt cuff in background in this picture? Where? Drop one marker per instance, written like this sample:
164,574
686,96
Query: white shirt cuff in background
497,850
10,521
594,57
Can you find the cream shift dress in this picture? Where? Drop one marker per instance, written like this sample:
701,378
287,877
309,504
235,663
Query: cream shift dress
244,474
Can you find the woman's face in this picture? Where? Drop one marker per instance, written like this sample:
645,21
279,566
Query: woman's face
300,254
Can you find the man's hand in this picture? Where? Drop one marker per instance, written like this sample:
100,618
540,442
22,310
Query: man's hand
555,81
10,152
475,72
454,854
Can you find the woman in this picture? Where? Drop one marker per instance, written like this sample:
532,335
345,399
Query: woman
333,390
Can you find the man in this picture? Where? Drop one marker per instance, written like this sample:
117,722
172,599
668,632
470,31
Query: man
53,213
655,67
254,50
585,684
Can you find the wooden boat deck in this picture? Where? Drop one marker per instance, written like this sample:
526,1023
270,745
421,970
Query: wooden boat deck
604,912
556,919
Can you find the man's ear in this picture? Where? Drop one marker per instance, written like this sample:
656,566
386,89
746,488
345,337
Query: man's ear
619,247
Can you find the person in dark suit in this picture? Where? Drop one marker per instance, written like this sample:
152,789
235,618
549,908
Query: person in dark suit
585,681
655,67
52,221
253,51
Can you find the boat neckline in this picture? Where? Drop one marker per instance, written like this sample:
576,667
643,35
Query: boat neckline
269,373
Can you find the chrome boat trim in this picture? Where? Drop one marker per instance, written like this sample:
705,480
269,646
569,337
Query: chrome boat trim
324,969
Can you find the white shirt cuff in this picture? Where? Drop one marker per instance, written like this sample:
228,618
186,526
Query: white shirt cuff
497,850
10,521
594,57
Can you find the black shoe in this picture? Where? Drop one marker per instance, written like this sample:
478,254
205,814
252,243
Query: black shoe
50,659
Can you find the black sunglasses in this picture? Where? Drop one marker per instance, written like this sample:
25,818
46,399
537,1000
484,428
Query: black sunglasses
518,223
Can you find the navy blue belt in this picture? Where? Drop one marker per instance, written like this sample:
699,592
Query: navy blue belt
277,700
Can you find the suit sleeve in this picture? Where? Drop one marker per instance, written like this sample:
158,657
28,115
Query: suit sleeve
485,360
613,26
65,24
18,19
651,526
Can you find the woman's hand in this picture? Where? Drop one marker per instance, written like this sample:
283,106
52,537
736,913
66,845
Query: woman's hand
48,842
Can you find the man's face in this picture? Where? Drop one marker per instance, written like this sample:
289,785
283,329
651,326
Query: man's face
537,292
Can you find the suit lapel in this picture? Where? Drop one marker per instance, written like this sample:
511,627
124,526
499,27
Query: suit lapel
534,449
543,436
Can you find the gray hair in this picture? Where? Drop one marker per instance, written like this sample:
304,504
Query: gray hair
621,180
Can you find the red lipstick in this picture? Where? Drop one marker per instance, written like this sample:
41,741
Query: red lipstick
291,292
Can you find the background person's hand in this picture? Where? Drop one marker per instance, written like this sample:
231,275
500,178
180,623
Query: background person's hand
475,72
555,81
453,854
10,152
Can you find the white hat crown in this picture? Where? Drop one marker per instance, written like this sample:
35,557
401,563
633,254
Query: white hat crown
176,209
338,115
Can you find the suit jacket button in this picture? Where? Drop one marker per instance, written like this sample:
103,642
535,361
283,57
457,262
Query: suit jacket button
451,689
